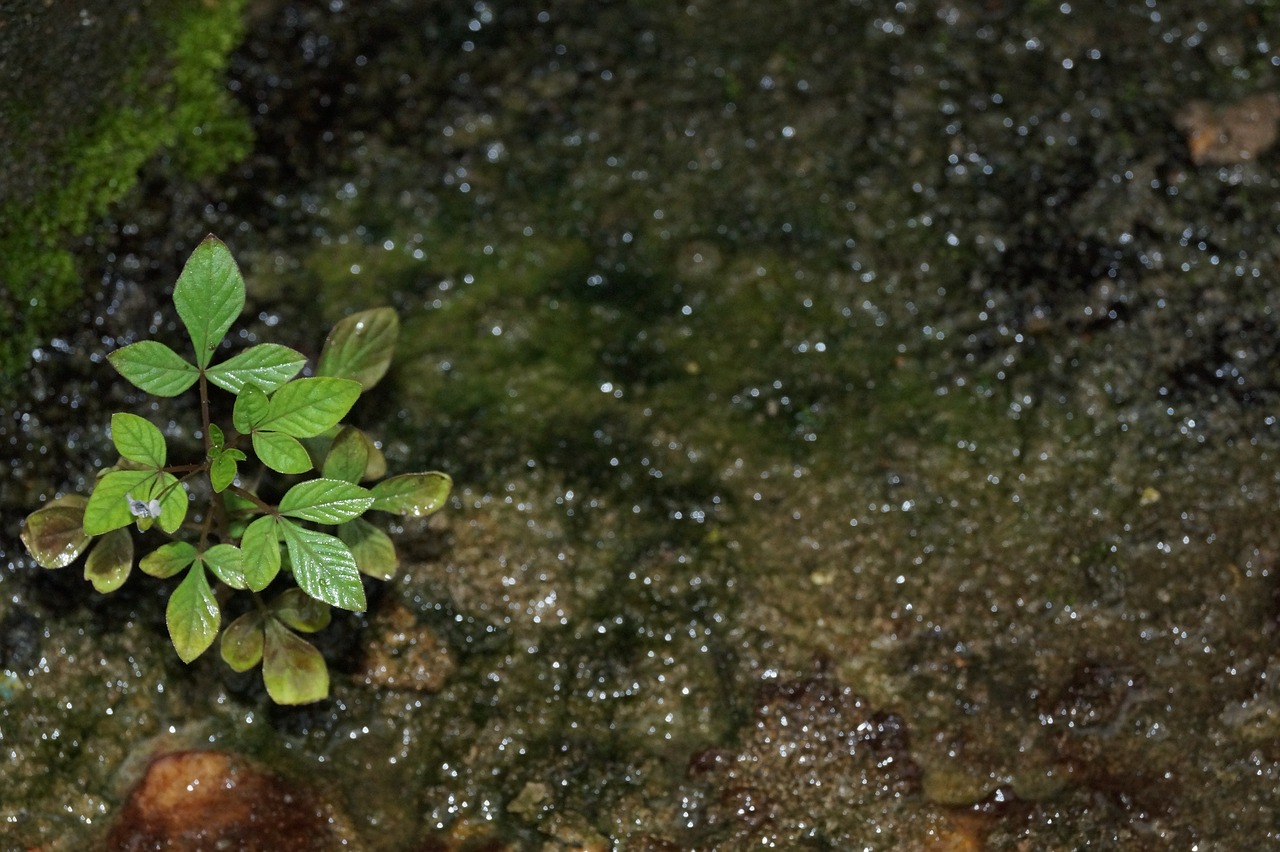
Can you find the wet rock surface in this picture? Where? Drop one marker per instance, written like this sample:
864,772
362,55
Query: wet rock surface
914,339
812,755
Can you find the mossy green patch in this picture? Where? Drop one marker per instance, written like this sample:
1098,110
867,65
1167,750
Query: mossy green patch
149,81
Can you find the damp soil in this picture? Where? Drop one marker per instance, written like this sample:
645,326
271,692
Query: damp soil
862,420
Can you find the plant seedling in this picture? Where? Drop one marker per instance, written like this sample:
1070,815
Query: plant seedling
288,432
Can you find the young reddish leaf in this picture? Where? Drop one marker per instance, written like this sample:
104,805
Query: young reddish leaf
325,501
306,407
280,452
241,645
292,668
323,566
416,494
192,615
360,347
110,561
154,368
137,439
209,296
267,365
54,535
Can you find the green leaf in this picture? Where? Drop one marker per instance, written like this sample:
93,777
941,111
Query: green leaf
173,502
192,615
267,365
281,452
108,507
260,549
217,440
296,609
241,644
168,559
110,561
209,296
416,494
377,465
360,347
227,564
373,549
54,534
325,501
154,368
292,668
137,439
250,408
348,456
306,407
222,471
323,566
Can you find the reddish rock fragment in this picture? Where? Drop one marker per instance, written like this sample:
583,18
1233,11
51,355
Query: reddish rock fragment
190,801
1235,133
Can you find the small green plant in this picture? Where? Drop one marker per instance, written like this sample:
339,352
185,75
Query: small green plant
291,426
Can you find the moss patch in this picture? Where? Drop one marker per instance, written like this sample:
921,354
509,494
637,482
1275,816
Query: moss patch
72,150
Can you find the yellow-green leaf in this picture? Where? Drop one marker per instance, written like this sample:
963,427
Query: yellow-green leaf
241,644
416,494
292,668
298,610
348,455
168,559
110,561
373,549
192,615
360,347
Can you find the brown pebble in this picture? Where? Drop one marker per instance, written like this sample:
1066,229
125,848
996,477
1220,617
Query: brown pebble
1234,133
190,801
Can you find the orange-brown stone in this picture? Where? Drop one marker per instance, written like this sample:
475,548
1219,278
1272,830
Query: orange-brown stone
198,800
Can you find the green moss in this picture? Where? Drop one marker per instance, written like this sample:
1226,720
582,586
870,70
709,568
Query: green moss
69,165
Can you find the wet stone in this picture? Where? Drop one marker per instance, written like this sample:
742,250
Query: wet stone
20,638
198,800
813,753
1235,133
406,655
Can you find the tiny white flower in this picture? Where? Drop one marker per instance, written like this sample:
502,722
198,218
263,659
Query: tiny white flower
141,509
